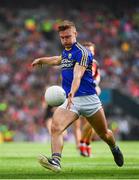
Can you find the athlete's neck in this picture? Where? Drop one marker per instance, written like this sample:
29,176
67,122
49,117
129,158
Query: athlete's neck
69,48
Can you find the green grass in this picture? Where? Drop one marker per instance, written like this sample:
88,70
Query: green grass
19,161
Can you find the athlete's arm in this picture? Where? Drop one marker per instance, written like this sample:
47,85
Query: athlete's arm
96,72
78,73
97,78
77,76
54,60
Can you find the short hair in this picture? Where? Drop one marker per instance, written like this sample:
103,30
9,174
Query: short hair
66,24
88,43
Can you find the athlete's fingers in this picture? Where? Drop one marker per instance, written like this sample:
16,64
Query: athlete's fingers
70,102
34,64
68,105
37,63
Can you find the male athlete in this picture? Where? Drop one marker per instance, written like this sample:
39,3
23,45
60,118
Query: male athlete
77,81
87,130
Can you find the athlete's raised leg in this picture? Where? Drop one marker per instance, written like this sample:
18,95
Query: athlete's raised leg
62,118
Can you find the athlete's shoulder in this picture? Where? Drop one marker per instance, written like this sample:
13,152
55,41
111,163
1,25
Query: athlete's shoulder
82,49
95,62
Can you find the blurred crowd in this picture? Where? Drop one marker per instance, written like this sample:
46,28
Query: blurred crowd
26,34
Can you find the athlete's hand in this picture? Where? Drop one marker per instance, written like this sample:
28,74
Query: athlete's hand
70,100
37,62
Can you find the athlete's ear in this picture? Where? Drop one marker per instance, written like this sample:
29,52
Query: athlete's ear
76,34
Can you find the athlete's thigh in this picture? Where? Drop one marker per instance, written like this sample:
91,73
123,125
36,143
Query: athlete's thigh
98,121
62,118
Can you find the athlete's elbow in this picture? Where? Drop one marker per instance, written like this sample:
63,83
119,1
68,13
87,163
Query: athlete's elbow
56,63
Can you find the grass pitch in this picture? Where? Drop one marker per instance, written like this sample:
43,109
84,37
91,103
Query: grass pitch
19,161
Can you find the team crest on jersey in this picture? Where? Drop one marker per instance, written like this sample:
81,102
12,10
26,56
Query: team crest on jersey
69,55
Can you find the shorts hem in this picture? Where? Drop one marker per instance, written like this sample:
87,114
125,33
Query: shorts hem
71,110
95,111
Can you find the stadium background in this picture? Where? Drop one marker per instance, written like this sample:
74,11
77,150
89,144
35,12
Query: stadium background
28,30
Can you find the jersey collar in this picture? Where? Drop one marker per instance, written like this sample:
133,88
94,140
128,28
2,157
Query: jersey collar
68,49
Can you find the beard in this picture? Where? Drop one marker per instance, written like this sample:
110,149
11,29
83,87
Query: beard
67,45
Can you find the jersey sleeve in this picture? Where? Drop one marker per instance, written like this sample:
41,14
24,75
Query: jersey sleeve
83,57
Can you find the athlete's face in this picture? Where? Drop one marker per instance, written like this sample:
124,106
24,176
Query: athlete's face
92,49
68,37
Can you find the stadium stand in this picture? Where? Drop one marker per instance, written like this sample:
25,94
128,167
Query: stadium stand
28,31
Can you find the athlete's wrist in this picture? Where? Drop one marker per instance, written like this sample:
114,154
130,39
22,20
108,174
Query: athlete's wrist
71,94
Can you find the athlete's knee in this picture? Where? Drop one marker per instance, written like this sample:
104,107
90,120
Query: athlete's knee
56,128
